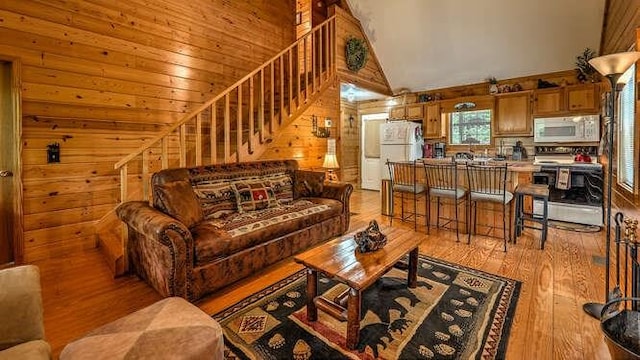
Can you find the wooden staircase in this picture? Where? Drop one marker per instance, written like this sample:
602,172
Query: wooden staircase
236,125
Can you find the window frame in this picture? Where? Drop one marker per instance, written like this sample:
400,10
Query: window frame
450,130
631,189
483,102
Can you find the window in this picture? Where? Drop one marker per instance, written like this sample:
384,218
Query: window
626,130
470,127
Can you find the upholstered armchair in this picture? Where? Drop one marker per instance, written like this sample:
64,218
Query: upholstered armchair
21,323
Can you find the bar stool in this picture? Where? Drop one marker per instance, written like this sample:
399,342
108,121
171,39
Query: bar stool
403,181
442,182
488,184
537,192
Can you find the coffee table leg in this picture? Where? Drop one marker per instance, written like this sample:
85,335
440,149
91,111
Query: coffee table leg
312,292
412,280
353,319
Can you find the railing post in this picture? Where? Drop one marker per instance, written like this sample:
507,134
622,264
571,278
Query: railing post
239,124
227,130
214,134
281,89
165,152
272,105
251,119
199,139
183,145
290,83
145,175
261,108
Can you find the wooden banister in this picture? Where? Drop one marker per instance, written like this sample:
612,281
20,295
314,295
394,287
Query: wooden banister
256,107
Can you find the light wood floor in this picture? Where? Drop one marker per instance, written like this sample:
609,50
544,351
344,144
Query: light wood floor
80,295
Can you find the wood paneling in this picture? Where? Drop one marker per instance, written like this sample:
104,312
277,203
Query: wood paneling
622,18
350,143
296,141
103,77
371,76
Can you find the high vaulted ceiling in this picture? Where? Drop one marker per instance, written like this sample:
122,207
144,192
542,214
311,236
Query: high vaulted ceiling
432,44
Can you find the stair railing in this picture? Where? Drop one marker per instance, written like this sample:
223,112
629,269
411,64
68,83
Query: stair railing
236,124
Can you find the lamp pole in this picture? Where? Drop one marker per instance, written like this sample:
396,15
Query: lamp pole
612,67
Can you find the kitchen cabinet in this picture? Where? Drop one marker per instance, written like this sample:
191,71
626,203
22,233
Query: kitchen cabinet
407,112
572,99
548,101
432,122
513,114
583,97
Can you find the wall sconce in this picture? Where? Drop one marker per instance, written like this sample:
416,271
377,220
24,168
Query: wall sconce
320,131
351,120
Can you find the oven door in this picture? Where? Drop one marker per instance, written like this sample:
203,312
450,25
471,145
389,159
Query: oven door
586,186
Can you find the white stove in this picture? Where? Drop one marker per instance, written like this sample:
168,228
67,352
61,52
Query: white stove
582,202
564,161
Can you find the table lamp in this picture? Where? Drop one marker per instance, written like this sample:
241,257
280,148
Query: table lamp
330,163
612,67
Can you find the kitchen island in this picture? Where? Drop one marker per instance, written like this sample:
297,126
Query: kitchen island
488,220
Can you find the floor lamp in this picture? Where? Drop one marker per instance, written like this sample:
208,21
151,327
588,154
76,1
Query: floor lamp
612,67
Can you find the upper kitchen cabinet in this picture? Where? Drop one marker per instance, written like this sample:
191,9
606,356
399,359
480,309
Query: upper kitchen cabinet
513,114
583,97
432,123
407,112
548,101
567,100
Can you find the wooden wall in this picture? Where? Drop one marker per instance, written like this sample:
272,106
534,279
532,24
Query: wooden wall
371,76
349,153
296,140
102,77
622,18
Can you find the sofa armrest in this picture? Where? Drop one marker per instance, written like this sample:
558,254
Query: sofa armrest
160,248
338,191
341,192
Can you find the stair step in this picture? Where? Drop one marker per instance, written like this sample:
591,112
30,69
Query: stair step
110,244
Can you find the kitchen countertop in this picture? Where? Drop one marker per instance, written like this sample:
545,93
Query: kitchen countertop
512,165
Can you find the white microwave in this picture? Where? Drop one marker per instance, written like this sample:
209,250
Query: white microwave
565,129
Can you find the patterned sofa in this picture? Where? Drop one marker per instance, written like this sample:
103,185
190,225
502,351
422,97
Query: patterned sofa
210,226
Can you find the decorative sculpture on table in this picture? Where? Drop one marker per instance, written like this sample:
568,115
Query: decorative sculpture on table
370,239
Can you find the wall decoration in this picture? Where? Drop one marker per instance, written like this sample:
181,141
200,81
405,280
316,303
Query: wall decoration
356,53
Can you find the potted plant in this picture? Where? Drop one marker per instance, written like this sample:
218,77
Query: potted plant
584,70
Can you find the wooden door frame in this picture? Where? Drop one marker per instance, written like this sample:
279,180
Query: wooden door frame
16,104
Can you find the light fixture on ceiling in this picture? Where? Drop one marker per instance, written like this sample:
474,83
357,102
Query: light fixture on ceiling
612,67
463,106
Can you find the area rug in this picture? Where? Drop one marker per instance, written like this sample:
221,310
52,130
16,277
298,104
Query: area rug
574,227
454,313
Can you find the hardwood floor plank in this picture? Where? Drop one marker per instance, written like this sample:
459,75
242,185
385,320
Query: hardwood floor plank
79,293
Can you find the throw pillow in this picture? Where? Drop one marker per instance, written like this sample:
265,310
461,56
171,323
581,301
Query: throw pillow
179,201
254,195
282,186
308,184
217,198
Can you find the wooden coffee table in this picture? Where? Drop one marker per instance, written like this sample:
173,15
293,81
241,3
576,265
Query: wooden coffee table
339,259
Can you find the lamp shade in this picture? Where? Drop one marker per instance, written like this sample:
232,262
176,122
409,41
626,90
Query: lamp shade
330,162
614,63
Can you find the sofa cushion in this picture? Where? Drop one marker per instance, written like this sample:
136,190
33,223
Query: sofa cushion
216,197
178,200
219,238
282,185
254,195
308,184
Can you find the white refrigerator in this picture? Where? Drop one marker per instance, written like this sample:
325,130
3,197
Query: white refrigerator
399,141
